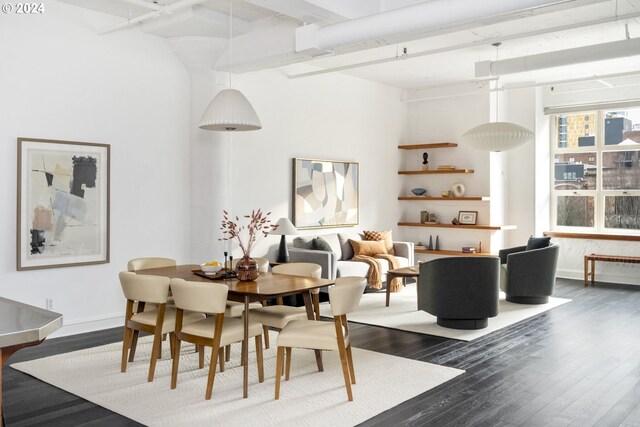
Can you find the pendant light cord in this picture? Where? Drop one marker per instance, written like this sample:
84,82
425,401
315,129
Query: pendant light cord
230,38
497,45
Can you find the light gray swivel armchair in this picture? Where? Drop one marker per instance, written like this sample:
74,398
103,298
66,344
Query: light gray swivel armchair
462,292
528,276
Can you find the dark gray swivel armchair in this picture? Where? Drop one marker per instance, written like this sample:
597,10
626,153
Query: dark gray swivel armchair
462,292
529,276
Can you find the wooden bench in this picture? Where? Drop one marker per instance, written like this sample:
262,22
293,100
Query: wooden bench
591,259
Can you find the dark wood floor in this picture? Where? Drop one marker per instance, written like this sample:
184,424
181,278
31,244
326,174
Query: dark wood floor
577,365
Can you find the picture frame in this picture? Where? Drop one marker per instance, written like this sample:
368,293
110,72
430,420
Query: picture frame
63,203
325,193
467,217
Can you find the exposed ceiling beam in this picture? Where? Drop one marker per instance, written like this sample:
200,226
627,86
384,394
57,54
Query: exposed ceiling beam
483,42
320,11
559,58
171,8
417,21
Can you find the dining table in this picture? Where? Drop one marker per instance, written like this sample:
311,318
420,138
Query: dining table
22,325
267,286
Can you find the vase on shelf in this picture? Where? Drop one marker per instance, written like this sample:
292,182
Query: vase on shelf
247,269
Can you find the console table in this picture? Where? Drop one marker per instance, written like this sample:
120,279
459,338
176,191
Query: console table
23,325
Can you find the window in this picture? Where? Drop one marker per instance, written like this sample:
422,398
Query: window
596,172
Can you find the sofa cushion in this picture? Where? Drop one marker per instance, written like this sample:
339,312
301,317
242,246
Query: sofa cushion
347,250
381,235
352,268
319,244
367,247
306,242
538,242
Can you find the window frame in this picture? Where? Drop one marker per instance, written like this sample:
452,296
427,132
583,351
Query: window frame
599,193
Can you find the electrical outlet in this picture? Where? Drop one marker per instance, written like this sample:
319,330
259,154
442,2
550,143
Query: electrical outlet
49,303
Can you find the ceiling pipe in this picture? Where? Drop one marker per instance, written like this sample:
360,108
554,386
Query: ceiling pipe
144,3
578,55
430,16
164,10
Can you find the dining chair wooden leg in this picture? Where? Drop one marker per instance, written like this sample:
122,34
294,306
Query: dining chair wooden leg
172,342
200,356
221,359
259,357
227,353
212,372
174,367
316,305
157,339
350,361
126,343
265,332
279,362
343,357
288,370
134,344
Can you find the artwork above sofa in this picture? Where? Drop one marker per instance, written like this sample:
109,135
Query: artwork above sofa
338,262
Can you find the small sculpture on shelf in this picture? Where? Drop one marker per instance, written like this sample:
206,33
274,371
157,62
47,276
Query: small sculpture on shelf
446,193
419,191
430,247
455,221
425,161
437,243
458,189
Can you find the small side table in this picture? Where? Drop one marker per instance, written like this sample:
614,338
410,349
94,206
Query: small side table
400,272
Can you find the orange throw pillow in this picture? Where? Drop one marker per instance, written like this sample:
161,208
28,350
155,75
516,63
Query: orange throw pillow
368,248
381,235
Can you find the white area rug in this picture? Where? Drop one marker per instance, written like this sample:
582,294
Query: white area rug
309,398
402,314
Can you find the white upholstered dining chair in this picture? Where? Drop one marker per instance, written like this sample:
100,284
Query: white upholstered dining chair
344,298
277,316
215,331
150,262
142,289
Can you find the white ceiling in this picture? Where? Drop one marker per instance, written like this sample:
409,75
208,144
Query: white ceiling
264,36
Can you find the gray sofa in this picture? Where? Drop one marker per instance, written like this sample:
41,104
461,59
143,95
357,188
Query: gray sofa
336,263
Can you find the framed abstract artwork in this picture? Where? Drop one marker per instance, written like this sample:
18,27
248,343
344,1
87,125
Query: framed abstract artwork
325,193
63,203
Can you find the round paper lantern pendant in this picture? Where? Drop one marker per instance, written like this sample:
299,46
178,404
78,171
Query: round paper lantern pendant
497,136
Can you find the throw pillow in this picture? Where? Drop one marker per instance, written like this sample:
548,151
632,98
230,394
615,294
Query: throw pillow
381,235
368,248
538,242
319,244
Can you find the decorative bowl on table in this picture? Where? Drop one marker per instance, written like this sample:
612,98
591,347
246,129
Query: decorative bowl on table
210,267
419,191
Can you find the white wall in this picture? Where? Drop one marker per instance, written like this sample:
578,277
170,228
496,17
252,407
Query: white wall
521,169
438,120
335,117
127,89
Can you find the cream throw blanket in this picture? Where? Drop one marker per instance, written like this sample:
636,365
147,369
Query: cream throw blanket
375,269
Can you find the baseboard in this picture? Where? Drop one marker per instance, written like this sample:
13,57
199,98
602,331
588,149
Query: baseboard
89,324
608,278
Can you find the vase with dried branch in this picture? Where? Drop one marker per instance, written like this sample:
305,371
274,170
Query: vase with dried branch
247,236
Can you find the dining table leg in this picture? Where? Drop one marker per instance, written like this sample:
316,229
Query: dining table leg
245,348
308,304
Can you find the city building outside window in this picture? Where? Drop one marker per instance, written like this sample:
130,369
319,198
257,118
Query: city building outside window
596,172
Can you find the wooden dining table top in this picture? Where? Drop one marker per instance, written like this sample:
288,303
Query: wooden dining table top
267,285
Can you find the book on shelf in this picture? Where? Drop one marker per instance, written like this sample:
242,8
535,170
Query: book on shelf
469,250
420,247
446,167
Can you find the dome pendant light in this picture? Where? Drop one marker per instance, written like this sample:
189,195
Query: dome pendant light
230,110
497,136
